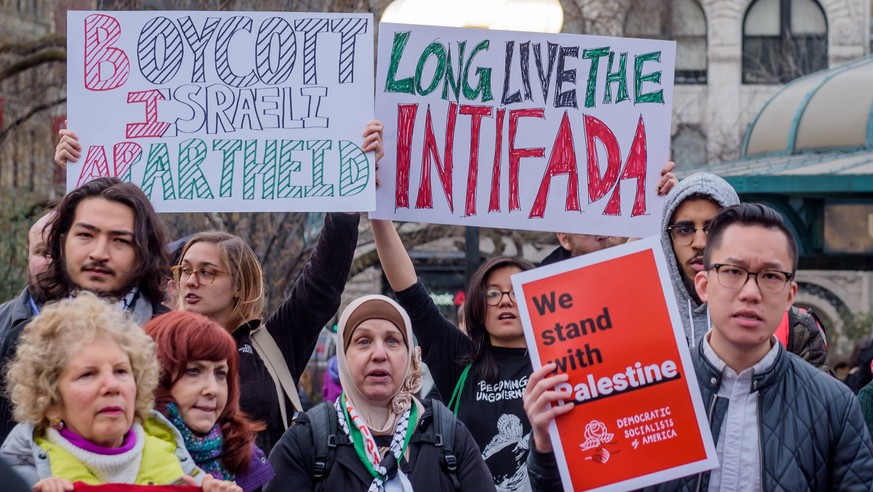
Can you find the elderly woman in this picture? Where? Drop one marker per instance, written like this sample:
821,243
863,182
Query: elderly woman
81,384
382,437
199,393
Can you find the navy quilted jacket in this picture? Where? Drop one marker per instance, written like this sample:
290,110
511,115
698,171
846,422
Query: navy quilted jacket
813,436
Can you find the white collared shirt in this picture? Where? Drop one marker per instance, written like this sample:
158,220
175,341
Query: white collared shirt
738,446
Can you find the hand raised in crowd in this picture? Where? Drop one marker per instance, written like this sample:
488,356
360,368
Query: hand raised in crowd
52,484
373,139
668,179
68,149
212,484
373,142
539,397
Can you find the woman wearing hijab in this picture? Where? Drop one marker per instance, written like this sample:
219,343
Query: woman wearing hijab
382,429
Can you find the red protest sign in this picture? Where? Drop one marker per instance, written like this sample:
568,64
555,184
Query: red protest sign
122,487
607,320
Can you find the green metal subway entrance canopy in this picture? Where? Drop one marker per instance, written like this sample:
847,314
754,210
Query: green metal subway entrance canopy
809,154
826,111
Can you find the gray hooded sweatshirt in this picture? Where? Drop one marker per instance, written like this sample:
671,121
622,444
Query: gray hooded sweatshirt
695,318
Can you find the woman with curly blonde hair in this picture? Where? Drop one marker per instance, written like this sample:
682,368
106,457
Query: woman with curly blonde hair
81,384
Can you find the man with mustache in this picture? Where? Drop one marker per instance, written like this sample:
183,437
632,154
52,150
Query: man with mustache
106,238
690,207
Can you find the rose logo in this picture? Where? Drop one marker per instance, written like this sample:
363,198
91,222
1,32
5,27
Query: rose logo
596,434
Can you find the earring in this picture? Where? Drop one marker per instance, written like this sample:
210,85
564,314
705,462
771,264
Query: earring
57,424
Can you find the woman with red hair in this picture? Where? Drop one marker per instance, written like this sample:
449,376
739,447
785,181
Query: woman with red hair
199,393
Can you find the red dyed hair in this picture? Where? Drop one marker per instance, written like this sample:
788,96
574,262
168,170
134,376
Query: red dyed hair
182,337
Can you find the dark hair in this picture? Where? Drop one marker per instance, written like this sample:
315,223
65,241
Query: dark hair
182,337
175,248
748,214
697,195
474,313
150,243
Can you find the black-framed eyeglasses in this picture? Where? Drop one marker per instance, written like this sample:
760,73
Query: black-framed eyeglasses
735,277
205,276
683,234
494,296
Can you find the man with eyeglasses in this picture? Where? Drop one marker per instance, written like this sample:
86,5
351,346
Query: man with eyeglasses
779,424
689,209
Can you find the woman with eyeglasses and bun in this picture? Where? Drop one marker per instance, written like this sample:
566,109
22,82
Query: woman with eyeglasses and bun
484,372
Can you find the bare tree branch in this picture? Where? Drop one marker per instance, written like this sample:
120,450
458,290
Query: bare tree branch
33,111
411,239
30,47
33,61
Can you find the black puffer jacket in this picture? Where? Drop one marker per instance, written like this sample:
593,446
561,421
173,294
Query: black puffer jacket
813,436
293,459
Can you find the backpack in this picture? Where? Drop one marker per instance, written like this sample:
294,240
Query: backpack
807,317
799,316
323,423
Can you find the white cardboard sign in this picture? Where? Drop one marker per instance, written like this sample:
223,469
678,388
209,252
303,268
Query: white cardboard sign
552,132
224,111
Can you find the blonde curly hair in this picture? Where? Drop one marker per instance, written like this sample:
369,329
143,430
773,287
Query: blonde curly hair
59,331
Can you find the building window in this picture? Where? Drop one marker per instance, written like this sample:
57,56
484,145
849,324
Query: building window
679,20
783,40
688,147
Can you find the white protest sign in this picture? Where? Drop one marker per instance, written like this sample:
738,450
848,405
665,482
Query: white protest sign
551,132
224,111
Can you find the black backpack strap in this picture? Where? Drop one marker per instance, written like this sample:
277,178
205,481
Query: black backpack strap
792,318
818,323
444,430
809,318
323,423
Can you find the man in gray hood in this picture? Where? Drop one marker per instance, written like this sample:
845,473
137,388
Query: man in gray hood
690,207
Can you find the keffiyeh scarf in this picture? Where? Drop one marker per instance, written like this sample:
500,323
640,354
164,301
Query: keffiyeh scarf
383,469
